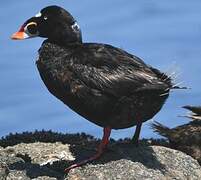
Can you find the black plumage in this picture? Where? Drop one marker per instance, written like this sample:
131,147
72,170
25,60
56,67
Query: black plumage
102,83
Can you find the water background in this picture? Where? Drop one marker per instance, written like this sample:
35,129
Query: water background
166,34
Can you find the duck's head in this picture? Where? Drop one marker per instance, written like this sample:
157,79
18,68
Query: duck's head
52,22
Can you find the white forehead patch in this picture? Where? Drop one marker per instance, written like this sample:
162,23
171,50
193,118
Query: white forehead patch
75,26
38,15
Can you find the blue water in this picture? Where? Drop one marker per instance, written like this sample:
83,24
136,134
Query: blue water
166,34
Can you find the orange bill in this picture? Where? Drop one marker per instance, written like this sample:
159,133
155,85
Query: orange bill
19,35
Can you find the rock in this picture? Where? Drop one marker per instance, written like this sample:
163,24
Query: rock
145,162
46,161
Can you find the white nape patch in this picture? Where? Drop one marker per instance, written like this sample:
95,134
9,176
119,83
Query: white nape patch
75,26
38,15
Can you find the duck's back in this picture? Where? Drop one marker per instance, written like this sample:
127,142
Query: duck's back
106,85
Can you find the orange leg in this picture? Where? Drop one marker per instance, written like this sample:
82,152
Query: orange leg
101,148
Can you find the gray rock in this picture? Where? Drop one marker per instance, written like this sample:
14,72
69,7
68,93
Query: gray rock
47,161
145,163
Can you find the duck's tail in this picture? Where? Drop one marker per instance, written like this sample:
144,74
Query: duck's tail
161,129
195,114
194,109
169,79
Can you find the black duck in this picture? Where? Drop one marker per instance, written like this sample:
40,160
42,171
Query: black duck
104,84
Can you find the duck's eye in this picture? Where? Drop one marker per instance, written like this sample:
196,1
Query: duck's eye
45,18
75,27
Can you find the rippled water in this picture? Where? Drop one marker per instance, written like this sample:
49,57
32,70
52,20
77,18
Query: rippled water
166,34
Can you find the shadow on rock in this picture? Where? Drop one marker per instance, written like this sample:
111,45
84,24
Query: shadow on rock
143,154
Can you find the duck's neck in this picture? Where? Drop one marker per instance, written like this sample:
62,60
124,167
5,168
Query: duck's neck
63,42
64,39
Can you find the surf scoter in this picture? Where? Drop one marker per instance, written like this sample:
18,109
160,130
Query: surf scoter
104,84
187,137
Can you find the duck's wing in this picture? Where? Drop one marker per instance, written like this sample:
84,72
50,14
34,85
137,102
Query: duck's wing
114,71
